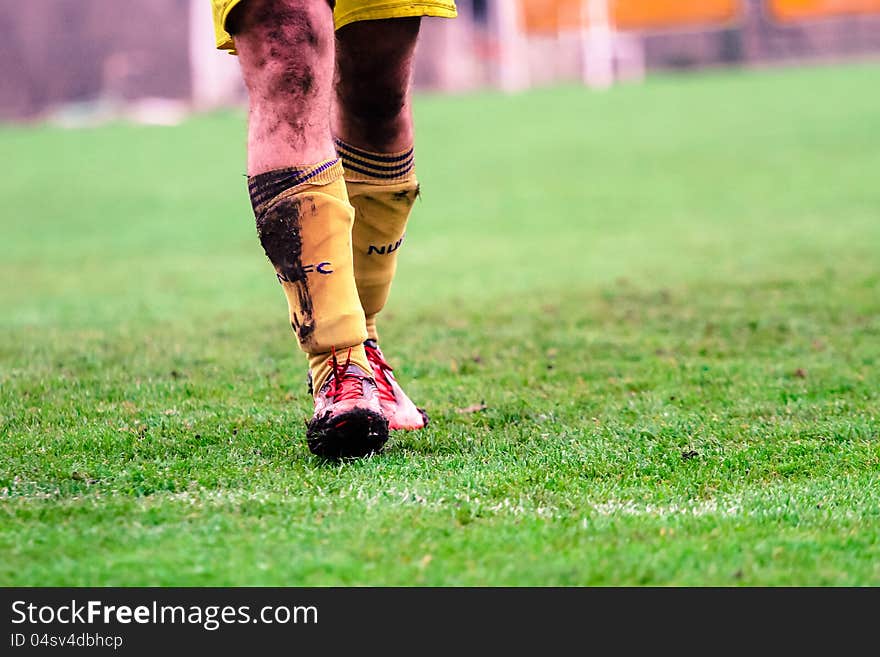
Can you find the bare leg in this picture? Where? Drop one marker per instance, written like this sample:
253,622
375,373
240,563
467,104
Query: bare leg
373,108
286,50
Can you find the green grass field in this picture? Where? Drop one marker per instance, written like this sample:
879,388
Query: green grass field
666,296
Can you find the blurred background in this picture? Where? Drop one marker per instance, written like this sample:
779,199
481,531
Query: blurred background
83,61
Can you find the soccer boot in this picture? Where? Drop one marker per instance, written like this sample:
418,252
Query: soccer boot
396,406
348,420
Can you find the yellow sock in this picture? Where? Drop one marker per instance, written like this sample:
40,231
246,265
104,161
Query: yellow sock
304,221
382,187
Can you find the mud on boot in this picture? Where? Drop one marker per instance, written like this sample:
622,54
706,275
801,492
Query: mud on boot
348,420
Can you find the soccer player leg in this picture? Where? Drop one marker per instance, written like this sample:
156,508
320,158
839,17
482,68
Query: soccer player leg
303,216
374,138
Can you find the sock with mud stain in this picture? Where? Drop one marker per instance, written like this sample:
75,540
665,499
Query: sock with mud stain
304,221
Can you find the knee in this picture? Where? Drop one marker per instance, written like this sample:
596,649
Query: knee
373,67
282,44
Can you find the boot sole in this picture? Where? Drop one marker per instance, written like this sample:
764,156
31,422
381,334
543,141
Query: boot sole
354,434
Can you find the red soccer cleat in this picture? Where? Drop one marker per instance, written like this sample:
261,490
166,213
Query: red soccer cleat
396,406
348,420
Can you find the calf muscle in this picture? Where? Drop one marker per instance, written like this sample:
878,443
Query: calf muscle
372,84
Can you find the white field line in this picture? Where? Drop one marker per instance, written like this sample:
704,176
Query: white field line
696,509
395,497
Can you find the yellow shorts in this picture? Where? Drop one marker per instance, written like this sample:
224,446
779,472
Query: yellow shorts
347,11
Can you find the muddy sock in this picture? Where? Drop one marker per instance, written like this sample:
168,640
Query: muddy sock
382,187
304,222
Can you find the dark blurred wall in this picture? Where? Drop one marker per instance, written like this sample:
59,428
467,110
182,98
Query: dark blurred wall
68,50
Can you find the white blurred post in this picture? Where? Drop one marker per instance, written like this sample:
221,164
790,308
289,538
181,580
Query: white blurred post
597,44
215,75
513,73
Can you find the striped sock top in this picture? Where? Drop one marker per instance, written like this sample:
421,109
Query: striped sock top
383,168
266,186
